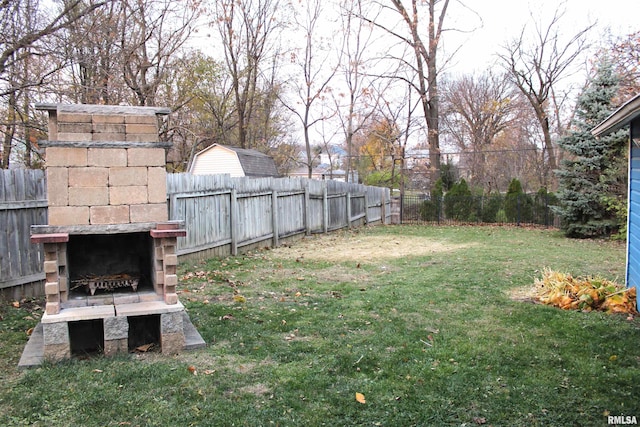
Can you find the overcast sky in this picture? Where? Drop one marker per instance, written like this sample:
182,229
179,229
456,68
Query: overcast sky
503,20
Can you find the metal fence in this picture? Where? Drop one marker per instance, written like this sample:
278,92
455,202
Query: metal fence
516,209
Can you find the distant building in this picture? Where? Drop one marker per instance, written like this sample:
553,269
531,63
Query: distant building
238,162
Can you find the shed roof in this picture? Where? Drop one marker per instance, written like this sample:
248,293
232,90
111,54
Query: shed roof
624,115
254,163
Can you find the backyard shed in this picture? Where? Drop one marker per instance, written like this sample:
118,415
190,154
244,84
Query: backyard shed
238,162
629,114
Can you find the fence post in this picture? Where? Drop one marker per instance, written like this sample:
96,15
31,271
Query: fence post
307,207
234,222
325,208
366,206
518,209
274,218
348,196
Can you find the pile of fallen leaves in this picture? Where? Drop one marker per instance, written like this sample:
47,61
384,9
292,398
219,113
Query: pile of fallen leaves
584,293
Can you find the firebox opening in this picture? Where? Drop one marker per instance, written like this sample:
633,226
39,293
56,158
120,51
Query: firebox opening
143,331
86,337
100,263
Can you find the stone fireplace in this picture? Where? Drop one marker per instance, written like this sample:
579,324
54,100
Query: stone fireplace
110,256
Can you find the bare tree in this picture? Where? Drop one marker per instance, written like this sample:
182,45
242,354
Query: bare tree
24,28
152,32
313,73
476,110
537,69
424,61
248,30
358,100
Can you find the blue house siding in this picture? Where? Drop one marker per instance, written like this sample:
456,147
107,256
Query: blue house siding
633,238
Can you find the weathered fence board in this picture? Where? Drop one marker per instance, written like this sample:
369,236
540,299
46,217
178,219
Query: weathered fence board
266,210
22,204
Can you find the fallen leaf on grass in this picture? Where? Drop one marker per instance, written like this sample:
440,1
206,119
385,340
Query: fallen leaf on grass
193,370
479,420
239,298
227,317
16,304
29,332
97,371
360,398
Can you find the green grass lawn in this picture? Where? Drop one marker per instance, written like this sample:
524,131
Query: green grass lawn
430,324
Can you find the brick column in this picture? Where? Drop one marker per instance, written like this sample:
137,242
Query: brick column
165,239
56,287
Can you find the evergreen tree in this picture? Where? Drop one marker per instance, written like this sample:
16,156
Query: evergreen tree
517,204
591,175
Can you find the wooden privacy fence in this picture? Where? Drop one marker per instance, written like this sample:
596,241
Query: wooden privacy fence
23,202
222,214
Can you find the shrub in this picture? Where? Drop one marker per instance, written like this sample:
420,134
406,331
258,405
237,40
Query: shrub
458,202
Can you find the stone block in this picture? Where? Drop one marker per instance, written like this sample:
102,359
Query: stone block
57,183
50,251
53,125
116,327
170,298
172,343
126,298
112,128
170,280
51,267
100,300
66,156
142,128
171,323
69,117
149,119
129,195
108,137
63,285
57,352
171,259
84,128
149,213
88,196
157,183
141,137
68,215
128,176
146,157
113,347
90,176
74,137
169,245
51,288
107,118
56,333
110,214
159,275
52,307
107,157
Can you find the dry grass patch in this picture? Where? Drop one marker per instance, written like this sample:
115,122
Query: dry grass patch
365,249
